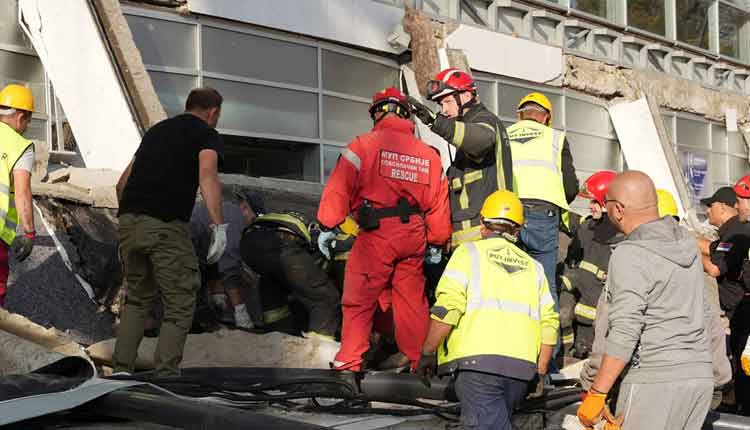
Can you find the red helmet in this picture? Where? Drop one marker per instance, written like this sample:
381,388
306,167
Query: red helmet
595,187
450,81
742,187
390,100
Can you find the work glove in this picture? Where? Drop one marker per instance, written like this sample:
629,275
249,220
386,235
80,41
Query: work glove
325,239
745,358
434,255
427,367
218,243
591,410
422,112
536,387
22,245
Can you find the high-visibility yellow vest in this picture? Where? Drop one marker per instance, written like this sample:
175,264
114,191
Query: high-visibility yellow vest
498,300
537,159
285,221
12,146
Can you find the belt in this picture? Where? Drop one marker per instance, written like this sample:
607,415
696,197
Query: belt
403,210
593,269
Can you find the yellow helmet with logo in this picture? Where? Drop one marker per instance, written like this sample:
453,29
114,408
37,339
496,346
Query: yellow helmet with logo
502,205
349,226
666,203
17,97
539,99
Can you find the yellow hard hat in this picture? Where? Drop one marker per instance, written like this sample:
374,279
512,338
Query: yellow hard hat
666,203
349,226
539,99
503,205
17,97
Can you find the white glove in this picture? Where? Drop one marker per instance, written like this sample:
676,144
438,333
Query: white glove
324,242
218,243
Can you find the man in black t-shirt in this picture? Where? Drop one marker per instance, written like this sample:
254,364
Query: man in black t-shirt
157,192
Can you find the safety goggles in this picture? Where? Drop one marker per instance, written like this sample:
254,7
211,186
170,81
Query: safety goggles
531,107
438,89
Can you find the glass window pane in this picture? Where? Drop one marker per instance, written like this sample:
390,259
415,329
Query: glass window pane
738,168
647,15
594,7
438,7
10,32
719,168
343,119
164,43
36,131
735,143
731,21
510,95
594,153
172,90
718,138
232,53
696,166
692,16
255,108
355,76
20,67
692,133
330,157
273,158
486,93
587,117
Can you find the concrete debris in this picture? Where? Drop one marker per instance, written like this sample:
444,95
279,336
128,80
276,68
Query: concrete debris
92,187
48,338
247,349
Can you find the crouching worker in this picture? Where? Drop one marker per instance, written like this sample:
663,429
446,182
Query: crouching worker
491,285
278,247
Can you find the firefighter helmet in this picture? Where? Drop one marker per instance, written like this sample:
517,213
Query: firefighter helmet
390,99
538,99
450,81
502,205
595,187
666,203
17,97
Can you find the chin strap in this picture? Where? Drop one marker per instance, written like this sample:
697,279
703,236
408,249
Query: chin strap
462,106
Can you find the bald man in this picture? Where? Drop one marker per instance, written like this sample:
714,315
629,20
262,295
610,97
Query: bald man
658,328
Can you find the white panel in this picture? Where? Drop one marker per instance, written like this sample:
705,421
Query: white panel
88,87
355,22
641,146
490,52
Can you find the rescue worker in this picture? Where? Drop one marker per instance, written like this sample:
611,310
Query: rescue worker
488,284
224,278
483,157
278,247
739,323
545,180
659,319
586,266
395,184
157,193
16,108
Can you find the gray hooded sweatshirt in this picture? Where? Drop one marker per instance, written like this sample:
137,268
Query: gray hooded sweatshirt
659,310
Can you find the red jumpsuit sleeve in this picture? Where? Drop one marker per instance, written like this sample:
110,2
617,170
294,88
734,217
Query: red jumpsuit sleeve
438,215
336,198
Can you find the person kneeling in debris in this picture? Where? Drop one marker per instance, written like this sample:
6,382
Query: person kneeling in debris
224,278
488,285
278,246
16,106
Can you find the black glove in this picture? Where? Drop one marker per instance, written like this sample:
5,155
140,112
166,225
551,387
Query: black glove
427,367
422,112
536,387
22,246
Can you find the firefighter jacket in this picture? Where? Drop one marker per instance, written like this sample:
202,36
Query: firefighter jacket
383,166
13,146
537,162
490,285
287,222
482,166
587,262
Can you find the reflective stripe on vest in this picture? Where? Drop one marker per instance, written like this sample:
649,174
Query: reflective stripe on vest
465,235
585,311
275,315
12,146
537,158
593,269
291,222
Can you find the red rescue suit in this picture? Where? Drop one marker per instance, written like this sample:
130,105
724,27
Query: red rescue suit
381,167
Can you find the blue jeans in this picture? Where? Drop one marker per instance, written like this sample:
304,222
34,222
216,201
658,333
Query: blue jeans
487,400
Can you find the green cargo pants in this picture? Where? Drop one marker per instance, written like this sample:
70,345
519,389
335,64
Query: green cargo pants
158,258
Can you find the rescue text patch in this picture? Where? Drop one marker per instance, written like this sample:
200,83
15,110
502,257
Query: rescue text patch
508,259
404,167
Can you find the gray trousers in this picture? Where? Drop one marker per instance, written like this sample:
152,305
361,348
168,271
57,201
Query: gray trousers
680,405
